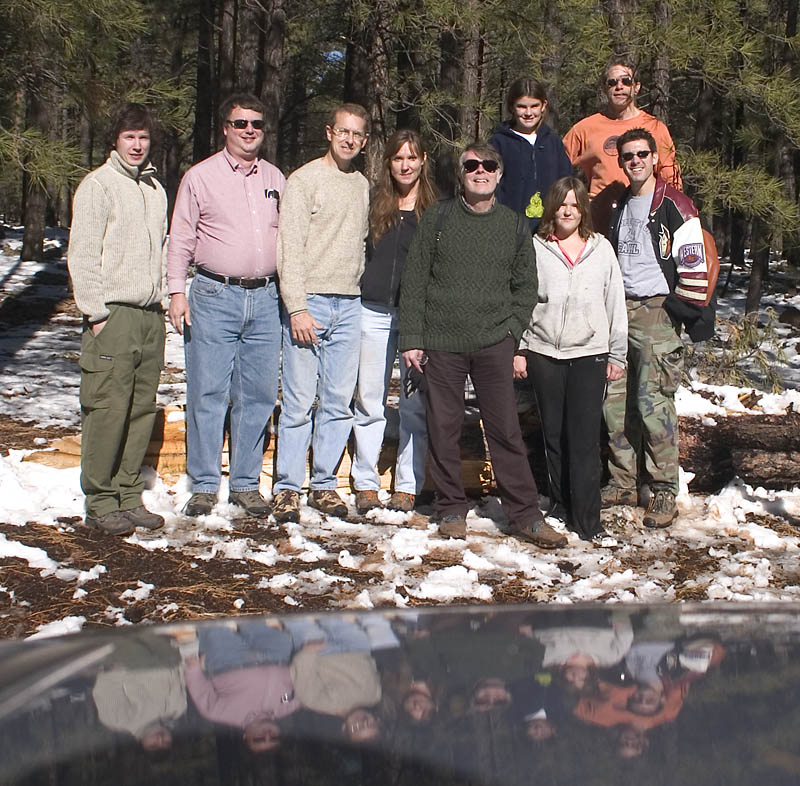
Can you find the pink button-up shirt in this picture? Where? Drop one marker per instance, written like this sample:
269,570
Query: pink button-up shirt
225,220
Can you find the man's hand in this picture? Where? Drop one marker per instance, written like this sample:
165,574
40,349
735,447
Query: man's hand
520,367
98,326
179,311
413,357
613,372
304,328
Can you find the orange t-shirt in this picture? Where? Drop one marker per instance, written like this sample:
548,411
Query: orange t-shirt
591,144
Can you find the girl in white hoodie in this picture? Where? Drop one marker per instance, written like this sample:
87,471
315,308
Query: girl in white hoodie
576,340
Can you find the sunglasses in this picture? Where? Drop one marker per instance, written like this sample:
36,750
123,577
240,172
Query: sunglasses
640,154
626,80
472,164
239,124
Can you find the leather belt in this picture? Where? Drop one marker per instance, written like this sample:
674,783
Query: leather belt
237,281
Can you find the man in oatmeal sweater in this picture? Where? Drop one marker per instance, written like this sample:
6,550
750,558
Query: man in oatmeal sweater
324,215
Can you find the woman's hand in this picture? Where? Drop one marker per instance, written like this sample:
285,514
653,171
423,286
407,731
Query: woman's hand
613,372
520,367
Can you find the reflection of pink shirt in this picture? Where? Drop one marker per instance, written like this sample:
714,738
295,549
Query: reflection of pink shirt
237,697
225,220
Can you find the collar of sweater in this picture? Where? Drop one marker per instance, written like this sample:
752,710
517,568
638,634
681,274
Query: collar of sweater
116,162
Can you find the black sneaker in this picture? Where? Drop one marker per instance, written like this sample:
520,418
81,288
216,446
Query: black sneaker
252,502
201,503
114,523
142,517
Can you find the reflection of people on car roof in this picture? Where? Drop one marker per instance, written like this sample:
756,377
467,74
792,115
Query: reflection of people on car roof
141,691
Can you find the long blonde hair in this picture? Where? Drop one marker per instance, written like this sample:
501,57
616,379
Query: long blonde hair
385,198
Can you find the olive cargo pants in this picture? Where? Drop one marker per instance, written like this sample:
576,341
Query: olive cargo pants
120,370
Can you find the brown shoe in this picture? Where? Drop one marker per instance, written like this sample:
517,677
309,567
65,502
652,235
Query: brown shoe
661,510
114,523
251,502
328,502
286,506
142,517
453,526
401,501
540,533
616,495
367,500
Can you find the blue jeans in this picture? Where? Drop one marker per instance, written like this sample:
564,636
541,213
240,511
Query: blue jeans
232,355
326,373
253,644
379,331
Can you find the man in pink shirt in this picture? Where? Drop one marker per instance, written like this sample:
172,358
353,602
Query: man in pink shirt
226,223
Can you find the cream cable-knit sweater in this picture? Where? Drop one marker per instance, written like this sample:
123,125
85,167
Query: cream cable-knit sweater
117,240
322,228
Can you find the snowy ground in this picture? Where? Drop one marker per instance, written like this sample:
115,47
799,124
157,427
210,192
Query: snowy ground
737,544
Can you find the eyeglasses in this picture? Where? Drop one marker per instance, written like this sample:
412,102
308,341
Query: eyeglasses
472,164
640,154
240,124
626,80
357,135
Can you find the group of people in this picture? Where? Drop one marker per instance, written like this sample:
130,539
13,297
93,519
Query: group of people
525,274
392,679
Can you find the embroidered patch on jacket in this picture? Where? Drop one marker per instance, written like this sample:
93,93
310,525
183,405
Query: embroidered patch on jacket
691,254
664,243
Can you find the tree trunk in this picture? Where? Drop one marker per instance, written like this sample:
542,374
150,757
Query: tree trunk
408,74
227,52
661,64
469,110
274,67
204,108
37,117
615,13
249,46
447,126
759,251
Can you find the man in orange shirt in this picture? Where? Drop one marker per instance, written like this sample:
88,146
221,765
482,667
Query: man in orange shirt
591,143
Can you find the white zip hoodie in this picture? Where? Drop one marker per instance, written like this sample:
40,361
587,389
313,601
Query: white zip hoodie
580,310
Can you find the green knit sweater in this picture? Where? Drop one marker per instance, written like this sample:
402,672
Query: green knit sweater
476,289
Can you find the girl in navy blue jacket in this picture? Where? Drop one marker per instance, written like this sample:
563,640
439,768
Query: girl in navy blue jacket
533,155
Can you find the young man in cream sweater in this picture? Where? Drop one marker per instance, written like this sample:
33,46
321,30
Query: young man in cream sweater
324,221
116,261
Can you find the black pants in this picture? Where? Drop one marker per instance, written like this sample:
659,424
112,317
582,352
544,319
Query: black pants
491,371
569,394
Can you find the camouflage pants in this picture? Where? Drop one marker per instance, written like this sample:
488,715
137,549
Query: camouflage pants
639,409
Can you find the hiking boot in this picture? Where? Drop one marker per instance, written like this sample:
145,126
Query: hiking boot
453,526
251,501
286,506
142,517
616,495
401,501
367,500
661,510
540,533
328,502
114,523
201,503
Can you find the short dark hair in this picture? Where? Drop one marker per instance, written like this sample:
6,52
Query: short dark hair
555,198
633,135
484,150
524,86
243,101
351,109
624,62
132,117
